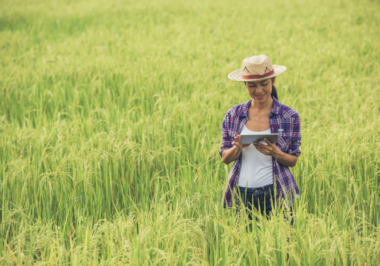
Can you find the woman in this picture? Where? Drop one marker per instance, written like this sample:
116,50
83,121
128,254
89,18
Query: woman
260,165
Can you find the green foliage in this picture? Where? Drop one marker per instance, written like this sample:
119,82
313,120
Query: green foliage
110,129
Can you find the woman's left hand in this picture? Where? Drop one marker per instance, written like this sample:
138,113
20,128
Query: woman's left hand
271,149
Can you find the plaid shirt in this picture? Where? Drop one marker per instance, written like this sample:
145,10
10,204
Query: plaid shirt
282,120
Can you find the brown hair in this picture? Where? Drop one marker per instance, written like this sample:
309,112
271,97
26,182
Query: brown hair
274,92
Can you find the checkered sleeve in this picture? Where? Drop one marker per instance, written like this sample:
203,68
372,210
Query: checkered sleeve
294,147
226,138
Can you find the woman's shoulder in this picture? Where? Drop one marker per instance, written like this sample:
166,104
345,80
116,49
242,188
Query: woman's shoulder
239,109
287,112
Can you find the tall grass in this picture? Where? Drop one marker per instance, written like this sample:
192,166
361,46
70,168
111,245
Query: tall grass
110,129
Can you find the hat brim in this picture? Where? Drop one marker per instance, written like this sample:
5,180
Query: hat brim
236,75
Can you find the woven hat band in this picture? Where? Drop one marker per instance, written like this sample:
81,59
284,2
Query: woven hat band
258,76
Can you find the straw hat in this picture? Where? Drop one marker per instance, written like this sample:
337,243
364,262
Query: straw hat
257,67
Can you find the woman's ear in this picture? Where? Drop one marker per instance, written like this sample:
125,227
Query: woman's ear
273,80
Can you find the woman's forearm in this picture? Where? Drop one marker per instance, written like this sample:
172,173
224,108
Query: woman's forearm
283,158
286,159
231,154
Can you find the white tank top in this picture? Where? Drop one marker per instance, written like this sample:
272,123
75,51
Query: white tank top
256,168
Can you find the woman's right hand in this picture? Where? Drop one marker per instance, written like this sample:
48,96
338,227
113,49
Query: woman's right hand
238,143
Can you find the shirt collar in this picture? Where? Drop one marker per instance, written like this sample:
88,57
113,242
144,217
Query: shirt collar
245,106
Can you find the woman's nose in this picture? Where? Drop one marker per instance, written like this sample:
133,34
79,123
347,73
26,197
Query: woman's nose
259,89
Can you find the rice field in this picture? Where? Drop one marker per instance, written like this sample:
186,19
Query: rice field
111,115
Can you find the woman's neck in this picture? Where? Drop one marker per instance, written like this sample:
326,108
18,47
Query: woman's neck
261,105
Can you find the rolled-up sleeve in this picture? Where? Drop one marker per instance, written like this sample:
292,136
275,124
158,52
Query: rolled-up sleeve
226,138
295,144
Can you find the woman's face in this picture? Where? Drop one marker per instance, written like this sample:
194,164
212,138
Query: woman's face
260,91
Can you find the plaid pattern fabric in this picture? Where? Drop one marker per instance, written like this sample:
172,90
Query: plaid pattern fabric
282,120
